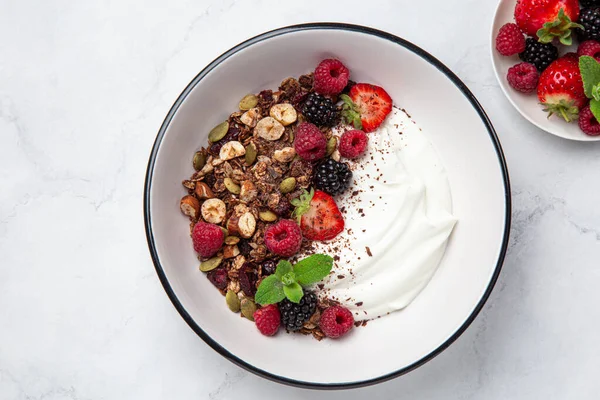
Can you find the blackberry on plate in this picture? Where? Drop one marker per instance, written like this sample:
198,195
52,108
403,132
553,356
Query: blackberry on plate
589,18
539,54
589,3
294,315
319,110
332,177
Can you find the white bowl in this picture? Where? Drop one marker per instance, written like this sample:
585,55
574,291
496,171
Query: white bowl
456,125
528,104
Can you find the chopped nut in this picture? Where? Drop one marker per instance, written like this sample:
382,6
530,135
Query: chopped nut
203,191
250,117
190,206
244,224
230,251
336,155
248,191
213,211
284,155
231,186
238,262
269,128
234,286
232,150
191,185
284,113
231,240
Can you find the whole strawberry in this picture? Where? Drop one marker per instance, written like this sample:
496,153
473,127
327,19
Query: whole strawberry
560,88
547,19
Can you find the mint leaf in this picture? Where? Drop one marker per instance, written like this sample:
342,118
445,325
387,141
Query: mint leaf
270,291
590,74
288,279
595,108
283,267
596,92
293,292
312,269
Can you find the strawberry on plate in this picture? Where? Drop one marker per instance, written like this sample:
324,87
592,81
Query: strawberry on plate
366,106
547,19
560,88
318,215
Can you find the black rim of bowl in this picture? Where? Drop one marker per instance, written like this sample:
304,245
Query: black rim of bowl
325,26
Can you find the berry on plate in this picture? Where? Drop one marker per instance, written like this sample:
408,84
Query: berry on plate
589,3
219,278
267,319
283,238
354,143
333,177
319,216
366,106
510,40
319,110
539,54
336,321
548,19
590,22
309,142
589,48
294,315
331,77
207,238
523,77
588,123
560,88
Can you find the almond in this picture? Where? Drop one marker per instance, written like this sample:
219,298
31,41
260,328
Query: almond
203,191
213,211
248,191
190,206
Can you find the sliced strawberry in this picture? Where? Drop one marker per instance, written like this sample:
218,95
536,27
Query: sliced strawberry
370,102
320,218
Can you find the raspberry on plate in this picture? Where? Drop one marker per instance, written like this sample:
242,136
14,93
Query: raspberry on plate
353,143
510,40
331,77
283,238
207,238
588,123
523,77
336,321
589,48
309,142
268,319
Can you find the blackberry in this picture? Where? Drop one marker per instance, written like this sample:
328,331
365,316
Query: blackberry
589,3
268,267
332,177
539,54
293,315
590,19
319,110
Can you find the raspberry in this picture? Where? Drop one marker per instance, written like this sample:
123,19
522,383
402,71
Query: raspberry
331,77
523,77
283,238
207,239
589,48
267,319
353,143
218,277
336,321
588,123
310,144
510,40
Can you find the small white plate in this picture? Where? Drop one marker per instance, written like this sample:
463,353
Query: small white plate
528,104
465,141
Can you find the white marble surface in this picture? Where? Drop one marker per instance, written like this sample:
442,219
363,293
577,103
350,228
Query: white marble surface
84,87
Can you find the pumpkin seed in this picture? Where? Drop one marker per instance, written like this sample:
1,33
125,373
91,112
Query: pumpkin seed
251,154
231,240
210,264
199,160
248,308
233,301
267,216
225,231
287,185
232,186
331,144
218,132
249,101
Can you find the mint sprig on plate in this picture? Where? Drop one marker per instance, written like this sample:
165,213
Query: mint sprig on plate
590,74
287,281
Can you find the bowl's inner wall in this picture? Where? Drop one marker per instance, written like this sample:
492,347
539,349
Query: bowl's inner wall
452,125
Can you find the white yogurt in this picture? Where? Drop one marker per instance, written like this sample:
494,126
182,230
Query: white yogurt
400,210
